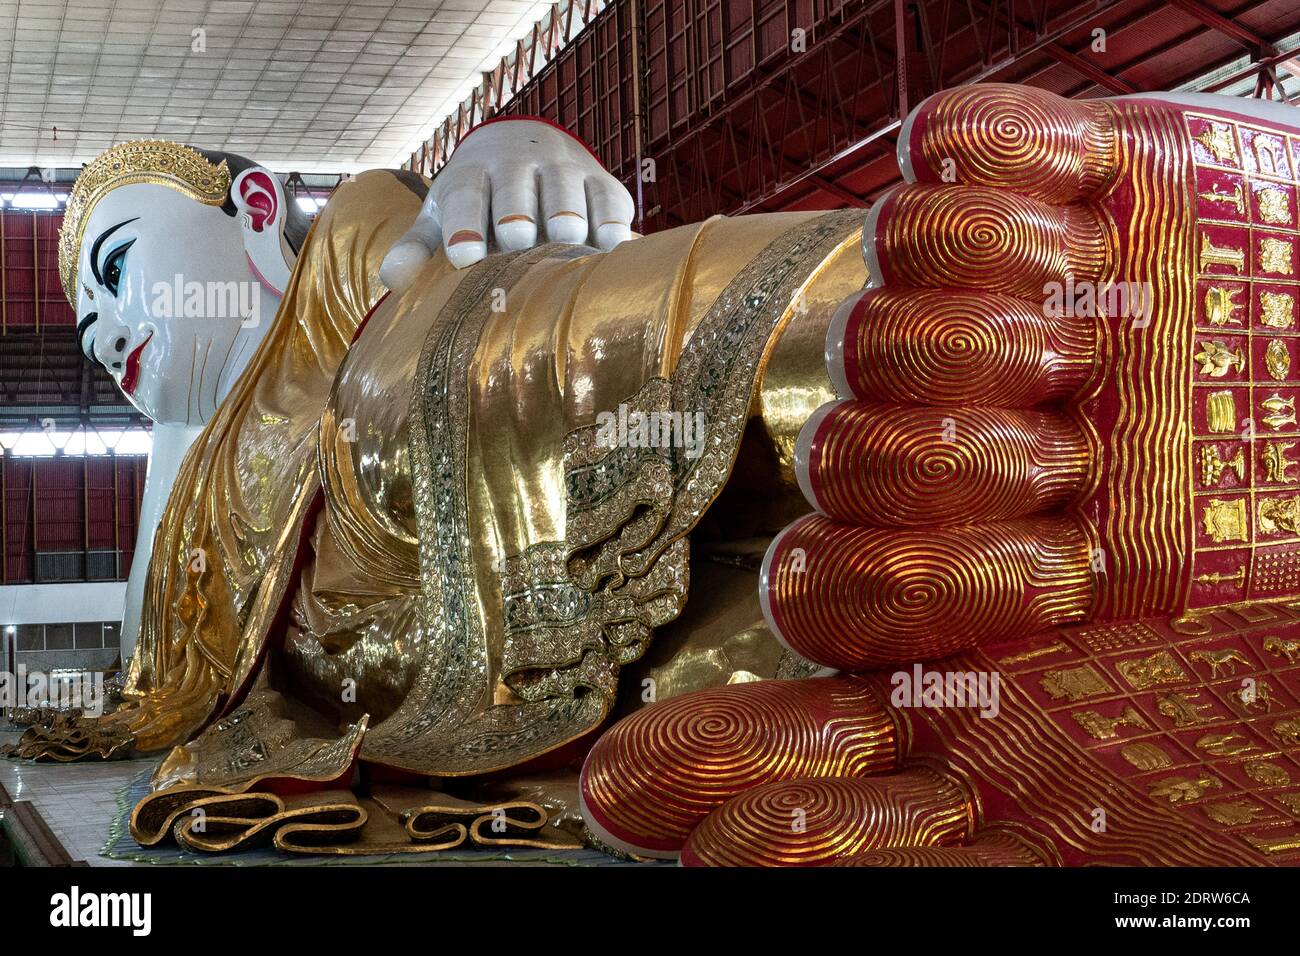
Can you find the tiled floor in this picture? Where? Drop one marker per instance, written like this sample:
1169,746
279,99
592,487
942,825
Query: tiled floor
77,800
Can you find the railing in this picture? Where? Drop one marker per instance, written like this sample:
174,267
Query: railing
516,70
95,565
710,106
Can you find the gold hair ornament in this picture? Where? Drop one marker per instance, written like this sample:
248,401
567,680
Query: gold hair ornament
139,161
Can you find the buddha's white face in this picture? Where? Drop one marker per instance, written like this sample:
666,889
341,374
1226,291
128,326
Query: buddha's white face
167,301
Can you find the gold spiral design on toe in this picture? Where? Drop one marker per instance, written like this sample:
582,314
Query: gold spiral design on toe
855,598
938,236
950,347
1017,137
989,849
655,774
898,467
816,822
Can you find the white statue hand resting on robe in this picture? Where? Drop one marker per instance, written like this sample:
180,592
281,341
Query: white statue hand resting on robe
506,180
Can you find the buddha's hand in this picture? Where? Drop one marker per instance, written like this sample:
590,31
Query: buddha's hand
517,181
1069,397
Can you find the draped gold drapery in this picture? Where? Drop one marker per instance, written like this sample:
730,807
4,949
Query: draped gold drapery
485,559
225,549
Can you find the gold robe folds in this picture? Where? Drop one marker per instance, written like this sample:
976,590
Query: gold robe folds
225,549
510,460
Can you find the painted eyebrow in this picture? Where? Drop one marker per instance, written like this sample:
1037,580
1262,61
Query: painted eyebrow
94,249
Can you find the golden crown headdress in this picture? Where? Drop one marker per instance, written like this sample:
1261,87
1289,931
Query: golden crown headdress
140,161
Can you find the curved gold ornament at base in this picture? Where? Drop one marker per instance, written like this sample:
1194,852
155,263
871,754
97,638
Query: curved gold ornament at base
67,736
342,823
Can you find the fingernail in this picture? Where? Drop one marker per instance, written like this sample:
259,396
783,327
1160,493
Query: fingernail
610,234
566,226
463,254
520,233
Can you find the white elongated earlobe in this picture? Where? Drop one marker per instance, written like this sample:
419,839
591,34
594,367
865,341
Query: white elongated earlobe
260,199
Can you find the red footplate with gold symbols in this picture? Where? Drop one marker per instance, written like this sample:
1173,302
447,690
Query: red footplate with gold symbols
1141,742
1246,363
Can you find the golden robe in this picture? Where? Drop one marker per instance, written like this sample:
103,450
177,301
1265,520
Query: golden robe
421,549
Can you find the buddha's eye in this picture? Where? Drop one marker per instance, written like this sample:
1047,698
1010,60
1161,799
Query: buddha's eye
113,266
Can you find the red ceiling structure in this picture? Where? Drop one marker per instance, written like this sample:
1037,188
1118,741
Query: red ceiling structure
61,519
707,106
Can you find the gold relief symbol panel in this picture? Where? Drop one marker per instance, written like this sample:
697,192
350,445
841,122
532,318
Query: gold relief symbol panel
1246,362
1195,715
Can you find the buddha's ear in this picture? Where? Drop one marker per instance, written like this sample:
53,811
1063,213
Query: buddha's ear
263,213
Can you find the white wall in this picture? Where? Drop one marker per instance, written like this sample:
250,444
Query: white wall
61,603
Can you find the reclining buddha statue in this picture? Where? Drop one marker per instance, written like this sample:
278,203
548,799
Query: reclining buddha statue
965,532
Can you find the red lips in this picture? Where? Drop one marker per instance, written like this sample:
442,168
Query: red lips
131,377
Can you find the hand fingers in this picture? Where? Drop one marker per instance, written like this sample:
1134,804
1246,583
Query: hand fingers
408,255
403,263
514,212
460,204
611,210
653,776
564,205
